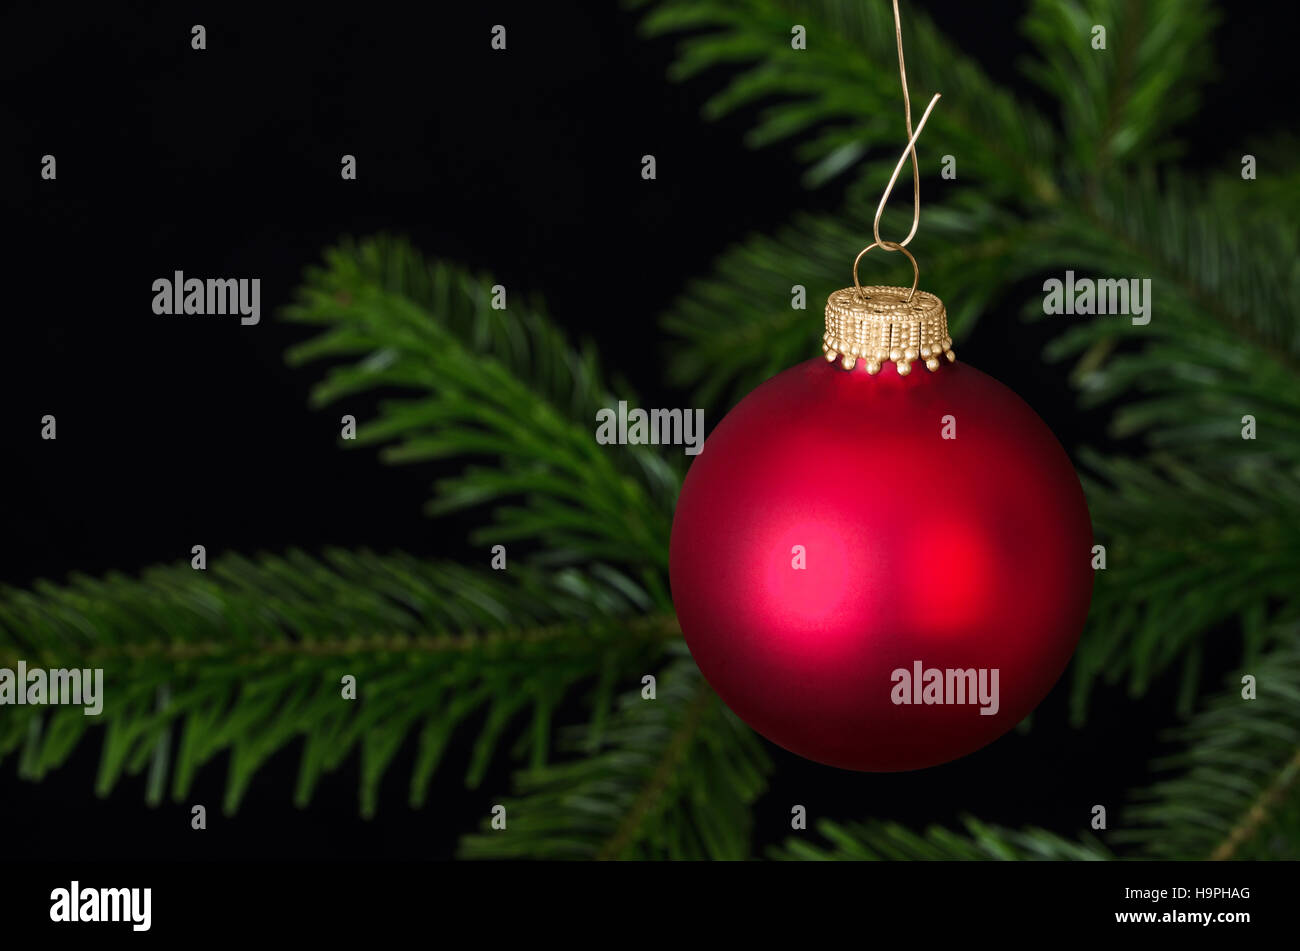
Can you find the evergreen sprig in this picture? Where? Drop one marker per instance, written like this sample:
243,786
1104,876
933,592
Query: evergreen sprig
1122,108
841,96
1229,791
500,386
1190,554
667,778
247,658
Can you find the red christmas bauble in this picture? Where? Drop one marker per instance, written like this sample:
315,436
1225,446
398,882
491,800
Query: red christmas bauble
844,535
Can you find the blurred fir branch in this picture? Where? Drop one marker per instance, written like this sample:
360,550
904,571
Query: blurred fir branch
1204,529
888,841
669,778
1232,791
1122,108
1188,551
1222,341
247,658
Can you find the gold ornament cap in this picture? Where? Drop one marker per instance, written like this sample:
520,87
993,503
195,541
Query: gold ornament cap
879,323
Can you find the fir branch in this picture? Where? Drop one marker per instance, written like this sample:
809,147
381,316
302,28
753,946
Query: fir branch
1186,554
1264,809
1120,104
647,802
247,658
842,94
487,384
1231,790
1202,531
669,778
1220,333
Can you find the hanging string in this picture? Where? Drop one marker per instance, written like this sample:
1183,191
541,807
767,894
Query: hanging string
916,191
910,150
907,115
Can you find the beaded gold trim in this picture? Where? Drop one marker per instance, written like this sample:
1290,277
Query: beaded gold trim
882,325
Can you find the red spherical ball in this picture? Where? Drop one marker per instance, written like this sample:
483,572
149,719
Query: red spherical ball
842,537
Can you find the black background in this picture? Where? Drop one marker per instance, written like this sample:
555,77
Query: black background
526,164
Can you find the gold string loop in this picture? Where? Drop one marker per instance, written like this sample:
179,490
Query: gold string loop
888,246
